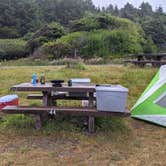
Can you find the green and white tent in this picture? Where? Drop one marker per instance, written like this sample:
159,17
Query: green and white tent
151,106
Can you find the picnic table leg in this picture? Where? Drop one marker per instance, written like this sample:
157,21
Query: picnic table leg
91,124
46,99
40,119
91,119
38,123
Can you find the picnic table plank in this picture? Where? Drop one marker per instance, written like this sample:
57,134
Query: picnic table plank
58,97
75,111
48,87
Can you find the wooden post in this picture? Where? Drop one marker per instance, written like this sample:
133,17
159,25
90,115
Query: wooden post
139,57
40,119
91,119
91,124
38,123
46,99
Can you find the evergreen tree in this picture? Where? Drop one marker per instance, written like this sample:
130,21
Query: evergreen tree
129,12
145,10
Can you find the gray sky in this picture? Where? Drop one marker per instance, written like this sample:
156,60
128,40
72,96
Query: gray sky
121,3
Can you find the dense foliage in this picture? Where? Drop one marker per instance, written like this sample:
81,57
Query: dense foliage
17,17
105,35
12,49
70,28
153,23
49,32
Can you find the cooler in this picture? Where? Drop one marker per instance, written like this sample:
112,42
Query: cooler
111,98
79,82
8,100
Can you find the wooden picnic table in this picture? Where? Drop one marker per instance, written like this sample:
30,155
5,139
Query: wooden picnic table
47,88
156,59
153,56
41,113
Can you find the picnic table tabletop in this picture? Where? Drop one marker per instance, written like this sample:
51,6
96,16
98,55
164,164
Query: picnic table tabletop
48,88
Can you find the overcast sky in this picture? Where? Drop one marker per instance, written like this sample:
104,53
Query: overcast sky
121,3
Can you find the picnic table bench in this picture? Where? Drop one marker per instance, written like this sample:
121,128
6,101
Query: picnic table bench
42,113
156,59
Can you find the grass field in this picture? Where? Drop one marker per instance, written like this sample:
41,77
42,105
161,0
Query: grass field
63,142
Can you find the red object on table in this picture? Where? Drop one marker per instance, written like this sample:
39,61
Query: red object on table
8,100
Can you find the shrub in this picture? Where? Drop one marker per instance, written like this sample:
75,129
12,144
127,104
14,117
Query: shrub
95,44
12,49
8,32
67,46
47,33
79,65
149,46
85,24
99,36
98,43
121,41
104,21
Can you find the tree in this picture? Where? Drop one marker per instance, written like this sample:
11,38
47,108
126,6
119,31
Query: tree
145,10
110,9
149,46
18,17
159,11
129,12
49,32
157,30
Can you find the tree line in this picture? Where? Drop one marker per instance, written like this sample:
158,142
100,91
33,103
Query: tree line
152,22
18,17
64,28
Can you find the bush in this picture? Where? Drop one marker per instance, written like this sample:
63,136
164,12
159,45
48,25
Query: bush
104,21
149,46
121,41
9,32
47,33
12,49
67,46
99,36
98,43
79,65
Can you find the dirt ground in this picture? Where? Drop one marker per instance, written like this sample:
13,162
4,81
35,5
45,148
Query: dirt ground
143,144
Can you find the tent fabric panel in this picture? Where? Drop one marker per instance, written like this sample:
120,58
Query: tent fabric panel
159,84
149,106
152,83
157,119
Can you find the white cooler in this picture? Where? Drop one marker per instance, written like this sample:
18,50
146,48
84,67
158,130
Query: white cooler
79,82
111,98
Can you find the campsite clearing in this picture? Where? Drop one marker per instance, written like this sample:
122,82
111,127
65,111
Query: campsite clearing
117,141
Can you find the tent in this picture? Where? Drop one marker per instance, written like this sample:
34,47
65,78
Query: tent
151,106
